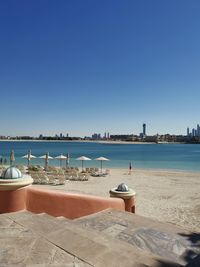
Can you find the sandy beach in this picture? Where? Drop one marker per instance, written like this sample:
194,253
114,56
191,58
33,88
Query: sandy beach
167,196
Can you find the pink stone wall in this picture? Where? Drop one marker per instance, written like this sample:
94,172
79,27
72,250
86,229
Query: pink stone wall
69,205
55,203
12,200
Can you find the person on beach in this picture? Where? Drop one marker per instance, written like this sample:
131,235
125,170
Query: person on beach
130,168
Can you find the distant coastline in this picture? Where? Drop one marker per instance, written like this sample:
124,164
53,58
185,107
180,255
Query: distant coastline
90,141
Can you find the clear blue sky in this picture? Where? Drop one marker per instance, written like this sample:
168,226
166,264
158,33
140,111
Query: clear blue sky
81,67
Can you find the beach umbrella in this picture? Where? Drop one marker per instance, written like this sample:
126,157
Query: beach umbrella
12,157
46,157
101,159
83,158
29,156
61,157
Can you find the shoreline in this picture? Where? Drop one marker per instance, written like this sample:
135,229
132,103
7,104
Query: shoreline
80,141
94,141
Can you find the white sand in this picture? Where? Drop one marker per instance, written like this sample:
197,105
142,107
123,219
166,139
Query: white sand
167,196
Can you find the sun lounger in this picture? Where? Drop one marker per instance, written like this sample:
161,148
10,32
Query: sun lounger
44,179
36,178
60,181
51,179
98,174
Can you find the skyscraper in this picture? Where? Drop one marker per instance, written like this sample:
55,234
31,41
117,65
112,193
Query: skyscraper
188,131
198,130
144,129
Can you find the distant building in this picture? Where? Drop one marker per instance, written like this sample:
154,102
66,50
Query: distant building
144,129
142,135
122,137
198,130
193,132
96,136
188,131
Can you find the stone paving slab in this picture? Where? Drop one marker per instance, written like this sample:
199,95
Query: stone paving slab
129,219
161,239
20,246
108,238
88,246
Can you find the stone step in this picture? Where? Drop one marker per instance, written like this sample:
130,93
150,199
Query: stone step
21,246
88,246
161,239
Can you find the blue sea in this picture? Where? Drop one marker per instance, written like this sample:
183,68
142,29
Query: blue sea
183,157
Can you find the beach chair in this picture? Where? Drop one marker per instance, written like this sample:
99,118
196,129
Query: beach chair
36,178
84,176
61,180
51,179
43,179
68,176
74,176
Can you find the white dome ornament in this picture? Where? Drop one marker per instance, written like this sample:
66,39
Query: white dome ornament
11,173
122,188
12,179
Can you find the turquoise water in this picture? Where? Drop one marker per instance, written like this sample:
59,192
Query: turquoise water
184,157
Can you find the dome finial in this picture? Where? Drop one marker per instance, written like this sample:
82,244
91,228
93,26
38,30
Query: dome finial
11,173
122,188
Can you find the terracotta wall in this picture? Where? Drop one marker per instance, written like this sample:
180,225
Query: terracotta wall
12,200
69,205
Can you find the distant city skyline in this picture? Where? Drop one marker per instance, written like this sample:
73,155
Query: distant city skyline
194,131
106,135
99,66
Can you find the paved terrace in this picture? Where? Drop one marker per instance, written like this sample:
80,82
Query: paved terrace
109,238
